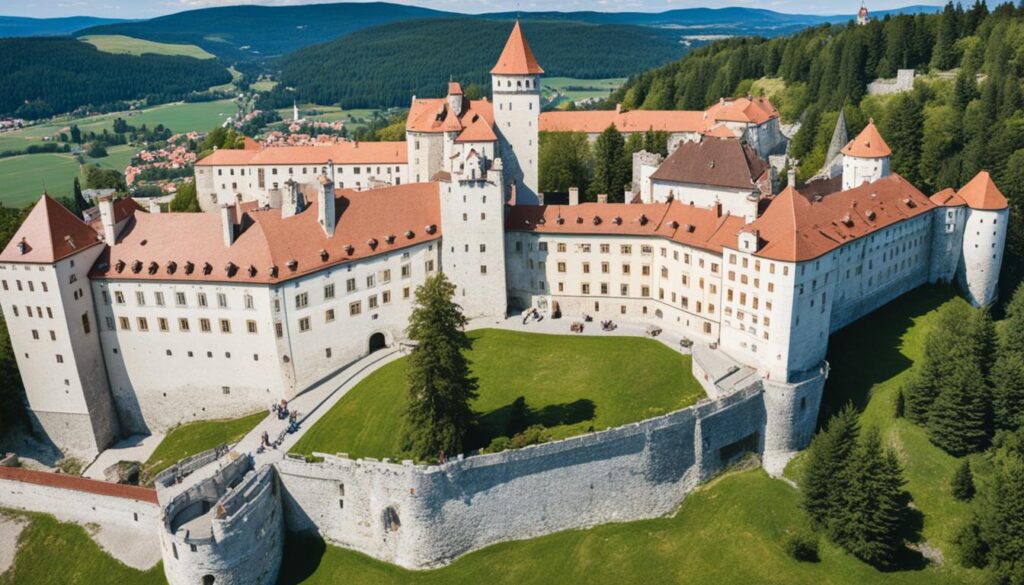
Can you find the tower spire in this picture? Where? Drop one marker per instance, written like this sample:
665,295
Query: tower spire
517,58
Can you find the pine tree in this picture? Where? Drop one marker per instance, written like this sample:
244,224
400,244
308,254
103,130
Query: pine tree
962,485
874,508
905,135
1001,521
958,419
610,174
828,456
965,89
944,53
1008,370
80,203
438,415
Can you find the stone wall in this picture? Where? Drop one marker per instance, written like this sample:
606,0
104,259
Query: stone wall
79,500
420,516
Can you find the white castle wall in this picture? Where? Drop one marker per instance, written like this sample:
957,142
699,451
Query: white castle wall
421,517
426,155
947,242
983,245
80,507
516,115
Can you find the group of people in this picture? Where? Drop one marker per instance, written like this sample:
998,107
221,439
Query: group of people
608,325
533,314
576,327
283,412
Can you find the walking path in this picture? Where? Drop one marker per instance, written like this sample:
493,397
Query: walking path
134,448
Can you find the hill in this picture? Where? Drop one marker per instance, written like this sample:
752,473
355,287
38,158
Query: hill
131,46
46,76
17,26
387,65
253,33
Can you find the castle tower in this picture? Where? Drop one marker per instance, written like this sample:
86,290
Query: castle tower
515,85
862,15
48,305
984,239
865,158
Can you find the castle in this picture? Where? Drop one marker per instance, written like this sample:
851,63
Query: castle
307,257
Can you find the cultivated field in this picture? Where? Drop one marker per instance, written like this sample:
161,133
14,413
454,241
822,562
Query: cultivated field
572,385
23,178
570,89
132,46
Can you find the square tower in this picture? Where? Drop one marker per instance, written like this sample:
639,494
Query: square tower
515,86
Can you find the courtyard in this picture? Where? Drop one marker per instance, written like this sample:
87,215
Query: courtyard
570,385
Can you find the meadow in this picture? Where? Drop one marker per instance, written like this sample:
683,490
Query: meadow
133,46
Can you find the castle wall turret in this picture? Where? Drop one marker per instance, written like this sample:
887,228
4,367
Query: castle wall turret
983,244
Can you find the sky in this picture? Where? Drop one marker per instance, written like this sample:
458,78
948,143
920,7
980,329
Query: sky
151,8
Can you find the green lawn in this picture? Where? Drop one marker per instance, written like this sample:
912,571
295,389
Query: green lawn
23,178
133,46
572,385
574,89
196,437
55,553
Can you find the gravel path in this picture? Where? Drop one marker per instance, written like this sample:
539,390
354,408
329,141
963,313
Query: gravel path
10,530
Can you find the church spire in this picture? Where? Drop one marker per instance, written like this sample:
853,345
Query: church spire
517,58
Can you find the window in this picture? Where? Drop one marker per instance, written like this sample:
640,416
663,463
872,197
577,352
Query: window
140,298
355,308
124,323
222,300
162,324
183,325
304,324
561,247
159,296
625,268
329,315
119,297
204,325
350,285
201,299
483,269
372,302
585,288
301,300
406,292
406,271
371,281
143,324
85,323
225,326
180,299
250,326
385,276
561,266
625,250
60,359
248,301
385,297
279,330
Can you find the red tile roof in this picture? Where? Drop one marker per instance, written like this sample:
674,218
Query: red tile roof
369,223
694,226
868,144
478,131
123,208
947,198
795,228
722,162
517,58
78,484
981,193
49,233
745,109
435,115
341,153
454,88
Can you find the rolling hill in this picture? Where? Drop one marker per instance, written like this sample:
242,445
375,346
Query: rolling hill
386,65
18,26
253,33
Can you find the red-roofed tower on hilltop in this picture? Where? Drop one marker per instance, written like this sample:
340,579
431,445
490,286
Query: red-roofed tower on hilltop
865,158
515,85
862,15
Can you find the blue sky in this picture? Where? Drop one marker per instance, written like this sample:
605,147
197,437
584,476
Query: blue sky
151,8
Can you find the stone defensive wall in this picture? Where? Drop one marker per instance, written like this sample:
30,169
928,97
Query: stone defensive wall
227,529
425,516
76,499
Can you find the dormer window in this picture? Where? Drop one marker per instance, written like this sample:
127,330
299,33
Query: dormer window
409,234
324,255
252,274
293,264
137,266
207,268
153,267
22,246
349,248
372,243
189,267
119,266
172,267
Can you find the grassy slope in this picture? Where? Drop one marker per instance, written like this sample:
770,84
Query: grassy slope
22,178
133,46
55,553
571,384
196,437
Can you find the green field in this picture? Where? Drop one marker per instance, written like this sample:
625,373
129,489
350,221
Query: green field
23,178
264,85
196,437
329,113
133,46
572,89
611,381
55,553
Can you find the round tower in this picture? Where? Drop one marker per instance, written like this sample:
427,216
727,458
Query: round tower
984,239
865,158
515,85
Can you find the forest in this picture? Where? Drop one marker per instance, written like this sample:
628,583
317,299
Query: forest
46,76
385,66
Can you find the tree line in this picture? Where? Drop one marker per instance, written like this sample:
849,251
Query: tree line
385,66
42,76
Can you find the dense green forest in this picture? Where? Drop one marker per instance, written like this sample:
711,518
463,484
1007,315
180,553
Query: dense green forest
385,66
966,112
11,392
46,76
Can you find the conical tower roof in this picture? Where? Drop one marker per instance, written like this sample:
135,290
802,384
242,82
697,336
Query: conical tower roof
517,58
868,144
981,193
49,233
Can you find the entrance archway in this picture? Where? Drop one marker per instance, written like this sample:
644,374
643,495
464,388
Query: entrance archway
377,341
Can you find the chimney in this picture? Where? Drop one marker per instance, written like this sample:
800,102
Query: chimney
627,195
718,209
540,199
618,108
106,205
154,207
791,177
293,202
325,205
602,198
227,223
574,195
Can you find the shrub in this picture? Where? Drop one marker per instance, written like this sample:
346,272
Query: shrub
802,546
962,485
900,405
498,444
531,436
971,549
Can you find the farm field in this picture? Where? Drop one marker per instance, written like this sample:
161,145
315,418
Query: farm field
133,46
612,381
560,90
23,178
330,113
